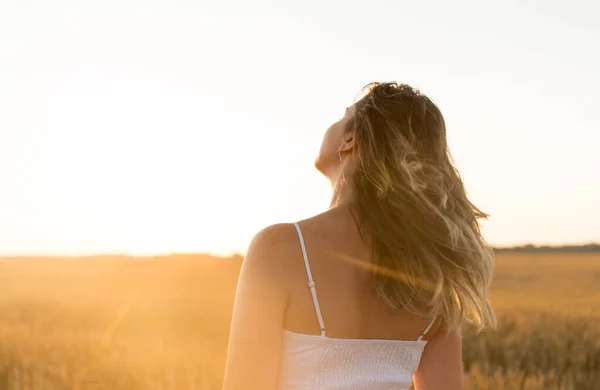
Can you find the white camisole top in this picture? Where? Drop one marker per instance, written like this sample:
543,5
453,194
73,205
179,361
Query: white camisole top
325,363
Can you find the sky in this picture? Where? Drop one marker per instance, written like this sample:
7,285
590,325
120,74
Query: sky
148,127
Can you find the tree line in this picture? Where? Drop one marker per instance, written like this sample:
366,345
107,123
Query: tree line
546,248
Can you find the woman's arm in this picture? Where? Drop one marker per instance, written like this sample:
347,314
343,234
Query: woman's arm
441,363
258,313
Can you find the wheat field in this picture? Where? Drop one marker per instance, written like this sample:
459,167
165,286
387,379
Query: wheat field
162,323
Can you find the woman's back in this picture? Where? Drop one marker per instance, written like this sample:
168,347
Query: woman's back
368,347
340,263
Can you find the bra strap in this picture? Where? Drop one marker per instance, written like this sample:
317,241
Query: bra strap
311,282
424,332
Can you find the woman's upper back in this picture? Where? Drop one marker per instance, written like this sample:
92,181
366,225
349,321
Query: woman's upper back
368,346
339,263
276,341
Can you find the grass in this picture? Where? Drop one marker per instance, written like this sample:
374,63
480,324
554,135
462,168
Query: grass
162,323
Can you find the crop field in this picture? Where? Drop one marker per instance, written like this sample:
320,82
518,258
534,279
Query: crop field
162,323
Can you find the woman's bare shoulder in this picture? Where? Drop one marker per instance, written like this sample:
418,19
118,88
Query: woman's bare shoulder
274,238
275,250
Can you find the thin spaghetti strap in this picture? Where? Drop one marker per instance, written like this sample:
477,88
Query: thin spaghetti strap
311,282
424,332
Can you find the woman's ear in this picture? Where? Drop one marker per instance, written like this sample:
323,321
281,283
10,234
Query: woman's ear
347,143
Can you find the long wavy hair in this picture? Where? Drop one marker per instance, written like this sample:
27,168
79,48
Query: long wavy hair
428,253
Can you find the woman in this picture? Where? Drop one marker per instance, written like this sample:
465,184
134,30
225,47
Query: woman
372,293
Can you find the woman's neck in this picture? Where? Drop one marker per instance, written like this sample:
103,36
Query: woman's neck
341,182
342,192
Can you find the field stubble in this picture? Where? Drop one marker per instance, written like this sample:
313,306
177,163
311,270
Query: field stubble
162,323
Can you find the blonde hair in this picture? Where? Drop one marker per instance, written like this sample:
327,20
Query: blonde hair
428,253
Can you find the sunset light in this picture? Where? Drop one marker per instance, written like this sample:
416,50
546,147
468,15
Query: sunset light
161,129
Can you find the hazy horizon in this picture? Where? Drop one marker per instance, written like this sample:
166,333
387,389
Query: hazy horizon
186,127
242,253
